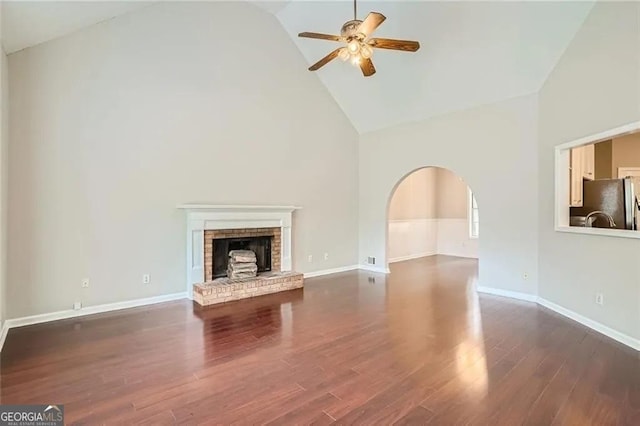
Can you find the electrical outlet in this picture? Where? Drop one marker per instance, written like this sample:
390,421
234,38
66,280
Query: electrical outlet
77,306
85,283
326,256
310,258
599,299
371,260
146,279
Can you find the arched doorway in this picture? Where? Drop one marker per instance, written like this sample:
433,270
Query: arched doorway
432,212
432,249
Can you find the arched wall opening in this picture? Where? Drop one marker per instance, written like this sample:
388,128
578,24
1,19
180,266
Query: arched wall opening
506,181
431,211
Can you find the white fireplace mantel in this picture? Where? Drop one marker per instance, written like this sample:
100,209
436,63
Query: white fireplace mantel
235,208
204,217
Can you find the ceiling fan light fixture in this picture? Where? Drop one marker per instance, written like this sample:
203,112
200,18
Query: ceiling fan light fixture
366,51
353,46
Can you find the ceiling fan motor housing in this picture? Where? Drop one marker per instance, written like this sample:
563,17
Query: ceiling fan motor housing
350,29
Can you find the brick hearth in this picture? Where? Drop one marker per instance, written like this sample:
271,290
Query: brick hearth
225,290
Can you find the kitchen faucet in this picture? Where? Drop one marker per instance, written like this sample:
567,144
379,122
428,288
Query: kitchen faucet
589,224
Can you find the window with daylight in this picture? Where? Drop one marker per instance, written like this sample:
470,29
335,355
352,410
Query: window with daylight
474,221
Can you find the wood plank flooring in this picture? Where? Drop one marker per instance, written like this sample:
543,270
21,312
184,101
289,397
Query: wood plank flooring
418,346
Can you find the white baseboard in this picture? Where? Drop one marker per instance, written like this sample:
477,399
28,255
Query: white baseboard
411,257
457,254
372,268
594,325
90,310
330,271
507,293
3,334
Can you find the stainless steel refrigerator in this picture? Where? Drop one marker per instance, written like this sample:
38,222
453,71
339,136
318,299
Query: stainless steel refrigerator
607,203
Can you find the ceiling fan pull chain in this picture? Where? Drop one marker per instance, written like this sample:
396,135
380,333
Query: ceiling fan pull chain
355,10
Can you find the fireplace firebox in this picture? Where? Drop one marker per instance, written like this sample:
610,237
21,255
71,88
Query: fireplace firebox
260,245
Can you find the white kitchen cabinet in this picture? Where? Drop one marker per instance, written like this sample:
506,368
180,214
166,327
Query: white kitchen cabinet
582,167
576,177
589,161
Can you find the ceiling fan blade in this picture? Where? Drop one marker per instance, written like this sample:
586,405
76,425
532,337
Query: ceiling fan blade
322,36
387,43
370,23
366,65
324,61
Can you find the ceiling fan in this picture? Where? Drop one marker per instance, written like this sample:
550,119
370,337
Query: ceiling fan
359,46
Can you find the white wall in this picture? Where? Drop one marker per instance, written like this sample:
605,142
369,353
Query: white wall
594,87
4,174
500,165
454,239
115,125
412,238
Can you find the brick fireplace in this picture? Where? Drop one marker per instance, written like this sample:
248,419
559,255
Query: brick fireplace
239,235
208,222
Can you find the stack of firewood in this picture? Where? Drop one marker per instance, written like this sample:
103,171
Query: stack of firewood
242,264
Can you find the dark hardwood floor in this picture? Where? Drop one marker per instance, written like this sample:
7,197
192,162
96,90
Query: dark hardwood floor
416,347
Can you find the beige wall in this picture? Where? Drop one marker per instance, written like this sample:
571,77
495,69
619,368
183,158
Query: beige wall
115,125
603,160
430,192
619,152
452,196
594,87
626,152
415,197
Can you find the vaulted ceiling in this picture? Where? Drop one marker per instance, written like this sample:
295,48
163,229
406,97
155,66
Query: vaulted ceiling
28,23
472,53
